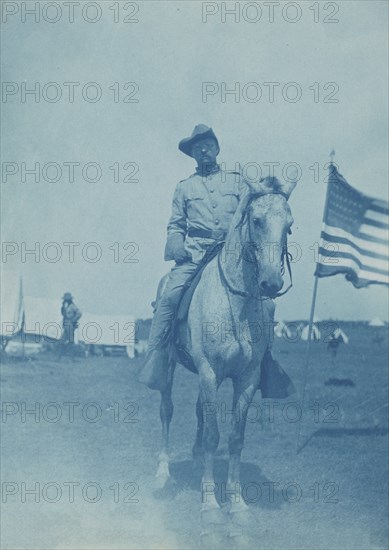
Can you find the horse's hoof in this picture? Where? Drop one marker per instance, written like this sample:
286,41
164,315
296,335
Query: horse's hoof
212,516
167,490
163,475
241,517
161,482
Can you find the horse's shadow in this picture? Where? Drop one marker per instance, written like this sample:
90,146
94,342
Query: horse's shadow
257,489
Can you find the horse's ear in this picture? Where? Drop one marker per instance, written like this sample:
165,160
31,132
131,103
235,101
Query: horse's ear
287,187
252,187
243,204
269,185
262,186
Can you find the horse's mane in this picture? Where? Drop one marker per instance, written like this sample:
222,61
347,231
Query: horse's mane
249,198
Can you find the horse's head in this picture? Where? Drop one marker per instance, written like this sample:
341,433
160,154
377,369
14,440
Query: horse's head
267,219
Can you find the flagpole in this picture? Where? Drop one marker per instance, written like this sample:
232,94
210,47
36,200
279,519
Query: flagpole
307,356
310,326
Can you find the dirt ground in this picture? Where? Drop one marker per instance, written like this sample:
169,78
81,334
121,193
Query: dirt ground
79,472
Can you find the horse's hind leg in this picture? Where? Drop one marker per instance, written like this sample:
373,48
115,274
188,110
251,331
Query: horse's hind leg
166,414
197,449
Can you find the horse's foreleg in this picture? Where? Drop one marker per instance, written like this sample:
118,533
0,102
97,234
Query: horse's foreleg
243,397
210,439
197,449
166,414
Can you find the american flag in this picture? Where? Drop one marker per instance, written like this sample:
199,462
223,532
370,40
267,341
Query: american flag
355,236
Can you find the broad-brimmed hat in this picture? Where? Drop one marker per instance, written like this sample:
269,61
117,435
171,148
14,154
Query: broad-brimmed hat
67,296
201,131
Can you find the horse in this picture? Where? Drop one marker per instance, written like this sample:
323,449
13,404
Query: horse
226,334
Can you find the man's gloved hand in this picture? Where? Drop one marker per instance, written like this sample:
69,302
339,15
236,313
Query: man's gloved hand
175,249
181,256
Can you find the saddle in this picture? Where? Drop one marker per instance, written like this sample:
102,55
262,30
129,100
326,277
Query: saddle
193,281
179,350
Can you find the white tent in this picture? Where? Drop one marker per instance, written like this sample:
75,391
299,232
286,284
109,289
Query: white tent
43,317
315,333
279,328
376,322
339,333
11,311
291,331
108,330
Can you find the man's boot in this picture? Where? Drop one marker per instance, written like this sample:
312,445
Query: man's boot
274,382
154,372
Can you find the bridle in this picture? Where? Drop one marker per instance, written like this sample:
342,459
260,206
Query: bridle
285,256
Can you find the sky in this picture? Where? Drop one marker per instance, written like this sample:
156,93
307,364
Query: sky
168,56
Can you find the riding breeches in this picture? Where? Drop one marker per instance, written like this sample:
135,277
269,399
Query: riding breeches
67,333
161,324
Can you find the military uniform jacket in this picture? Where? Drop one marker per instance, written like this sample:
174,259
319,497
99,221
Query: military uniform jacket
70,313
205,203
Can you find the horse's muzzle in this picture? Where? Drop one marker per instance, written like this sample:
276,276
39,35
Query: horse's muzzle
270,290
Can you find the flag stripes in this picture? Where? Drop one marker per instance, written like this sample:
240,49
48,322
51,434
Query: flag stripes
341,252
355,236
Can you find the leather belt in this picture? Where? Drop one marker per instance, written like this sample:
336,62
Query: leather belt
216,235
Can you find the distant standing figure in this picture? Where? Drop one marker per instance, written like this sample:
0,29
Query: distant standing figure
378,339
70,317
333,346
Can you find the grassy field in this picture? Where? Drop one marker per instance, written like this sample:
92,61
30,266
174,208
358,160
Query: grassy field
90,453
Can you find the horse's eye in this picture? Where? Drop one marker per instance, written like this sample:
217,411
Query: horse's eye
257,221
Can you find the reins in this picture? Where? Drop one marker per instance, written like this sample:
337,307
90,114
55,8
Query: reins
286,256
232,289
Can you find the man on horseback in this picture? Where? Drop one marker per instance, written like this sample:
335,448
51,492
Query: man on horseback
203,206
202,210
